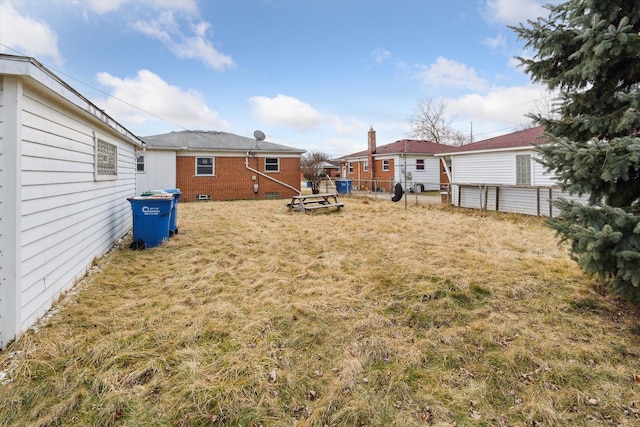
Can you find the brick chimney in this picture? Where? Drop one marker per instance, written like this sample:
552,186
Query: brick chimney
372,150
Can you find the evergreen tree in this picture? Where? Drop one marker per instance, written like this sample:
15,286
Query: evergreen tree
589,51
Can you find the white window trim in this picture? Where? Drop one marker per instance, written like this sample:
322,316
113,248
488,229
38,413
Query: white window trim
365,165
144,163
388,165
529,168
423,164
350,168
213,166
271,164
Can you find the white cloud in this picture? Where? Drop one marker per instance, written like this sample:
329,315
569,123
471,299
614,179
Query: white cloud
347,127
446,72
512,12
27,36
155,99
379,55
195,45
495,43
102,7
501,108
288,112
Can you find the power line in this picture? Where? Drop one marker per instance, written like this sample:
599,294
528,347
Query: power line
69,76
389,139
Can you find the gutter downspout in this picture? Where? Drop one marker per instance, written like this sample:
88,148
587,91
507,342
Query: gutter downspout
269,177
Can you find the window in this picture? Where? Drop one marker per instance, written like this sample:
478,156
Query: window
365,166
350,167
106,160
385,165
523,169
204,166
140,163
272,164
419,164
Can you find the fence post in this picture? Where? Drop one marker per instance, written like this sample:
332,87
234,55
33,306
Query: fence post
538,199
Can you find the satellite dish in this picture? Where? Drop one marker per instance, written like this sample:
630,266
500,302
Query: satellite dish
259,135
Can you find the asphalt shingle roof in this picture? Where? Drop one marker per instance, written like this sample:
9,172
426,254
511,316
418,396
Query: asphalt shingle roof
521,138
410,146
214,141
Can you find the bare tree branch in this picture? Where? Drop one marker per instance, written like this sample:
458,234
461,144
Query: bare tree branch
312,167
429,121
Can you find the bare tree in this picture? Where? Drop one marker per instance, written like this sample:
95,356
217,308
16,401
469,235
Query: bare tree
312,166
429,121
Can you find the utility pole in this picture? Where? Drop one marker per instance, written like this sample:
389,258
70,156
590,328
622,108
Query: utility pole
405,176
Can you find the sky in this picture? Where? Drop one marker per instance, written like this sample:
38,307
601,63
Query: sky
314,75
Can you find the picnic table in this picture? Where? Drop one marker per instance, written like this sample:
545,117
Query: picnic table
308,202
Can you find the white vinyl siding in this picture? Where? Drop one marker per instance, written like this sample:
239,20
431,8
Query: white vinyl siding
429,177
65,218
160,171
470,171
484,168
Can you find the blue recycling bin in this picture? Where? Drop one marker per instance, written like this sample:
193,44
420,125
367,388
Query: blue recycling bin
151,216
173,222
343,186
175,193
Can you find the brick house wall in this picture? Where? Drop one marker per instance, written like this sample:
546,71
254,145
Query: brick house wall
359,175
233,181
385,176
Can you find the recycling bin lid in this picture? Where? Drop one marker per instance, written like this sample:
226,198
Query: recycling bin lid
151,197
172,190
154,193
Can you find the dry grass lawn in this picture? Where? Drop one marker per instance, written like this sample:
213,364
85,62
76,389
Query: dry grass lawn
371,316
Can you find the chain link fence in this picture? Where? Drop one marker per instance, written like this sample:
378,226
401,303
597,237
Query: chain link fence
527,200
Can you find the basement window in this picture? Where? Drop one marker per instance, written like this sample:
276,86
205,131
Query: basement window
204,166
272,164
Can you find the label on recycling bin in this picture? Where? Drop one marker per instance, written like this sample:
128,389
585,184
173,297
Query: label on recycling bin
150,210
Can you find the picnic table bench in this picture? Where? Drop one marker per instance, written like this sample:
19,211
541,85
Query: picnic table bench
308,202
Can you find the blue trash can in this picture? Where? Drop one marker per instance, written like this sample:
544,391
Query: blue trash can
151,216
175,193
343,186
173,222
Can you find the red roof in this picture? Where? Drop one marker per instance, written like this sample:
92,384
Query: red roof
521,138
410,146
